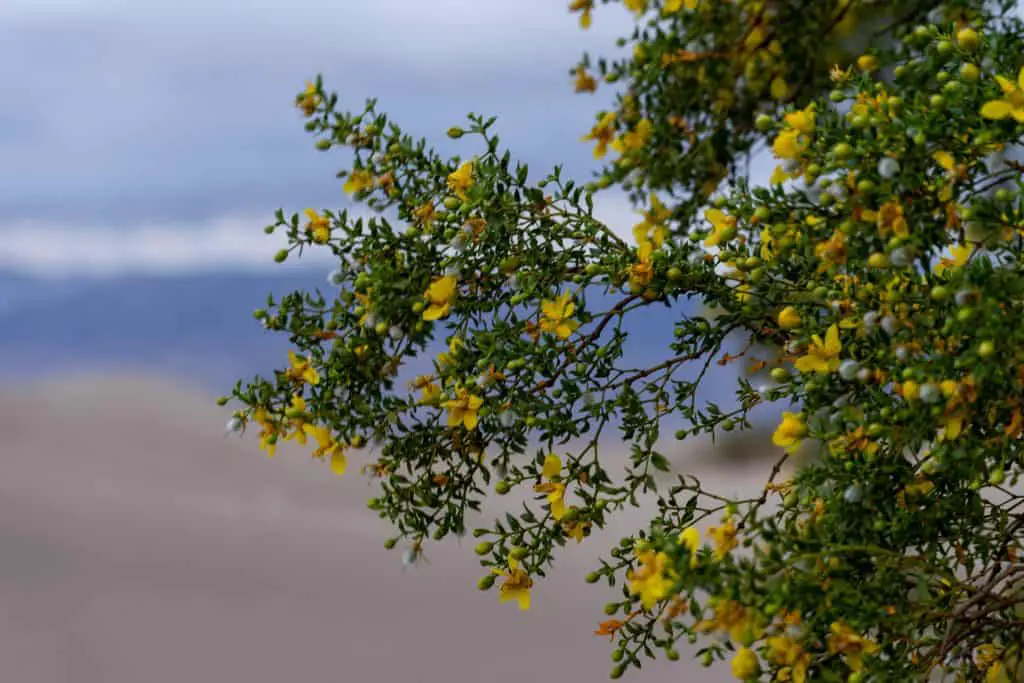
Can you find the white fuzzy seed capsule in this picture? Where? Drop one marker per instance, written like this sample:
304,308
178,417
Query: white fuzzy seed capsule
900,257
930,393
848,369
507,419
888,168
871,319
853,494
890,325
966,297
234,424
395,332
864,375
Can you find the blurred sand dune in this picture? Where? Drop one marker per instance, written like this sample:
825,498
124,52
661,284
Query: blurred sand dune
139,544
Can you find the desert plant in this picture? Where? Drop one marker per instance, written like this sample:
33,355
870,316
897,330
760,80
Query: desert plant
877,278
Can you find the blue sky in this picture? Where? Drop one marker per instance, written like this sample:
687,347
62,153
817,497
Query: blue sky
145,136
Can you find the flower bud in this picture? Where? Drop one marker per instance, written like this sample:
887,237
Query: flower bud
968,39
485,582
483,547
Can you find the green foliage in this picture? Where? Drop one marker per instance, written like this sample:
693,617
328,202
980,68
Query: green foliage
877,278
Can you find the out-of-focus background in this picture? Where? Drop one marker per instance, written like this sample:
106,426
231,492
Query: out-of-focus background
146,145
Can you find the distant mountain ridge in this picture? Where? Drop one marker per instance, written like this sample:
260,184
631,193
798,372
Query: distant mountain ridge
197,327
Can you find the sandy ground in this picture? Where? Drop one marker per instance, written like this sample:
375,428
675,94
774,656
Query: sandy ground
139,544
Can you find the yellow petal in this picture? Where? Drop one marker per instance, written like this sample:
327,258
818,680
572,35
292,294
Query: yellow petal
470,419
996,109
339,463
811,364
435,312
944,159
552,466
716,216
779,88
832,343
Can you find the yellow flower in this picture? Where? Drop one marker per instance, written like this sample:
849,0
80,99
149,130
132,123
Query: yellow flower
557,316
642,272
653,228
636,6
463,409
790,431
552,467
724,227
584,81
425,383
653,579
555,490
1012,102
689,538
268,431
842,640
676,5
327,446
584,6
634,139
516,586
823,356
446,358
309,100
867,63
945,160
297,413
790,656
787,145
575,529
301,369
461,179
745,664
779,88
789,318
987,659
319,226
724,538
440,296
359,180
424,214
791,143
602,133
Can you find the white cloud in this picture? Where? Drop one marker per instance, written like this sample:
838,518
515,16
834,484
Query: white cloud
227,243
233,242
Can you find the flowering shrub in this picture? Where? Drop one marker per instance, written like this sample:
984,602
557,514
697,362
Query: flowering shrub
877,278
